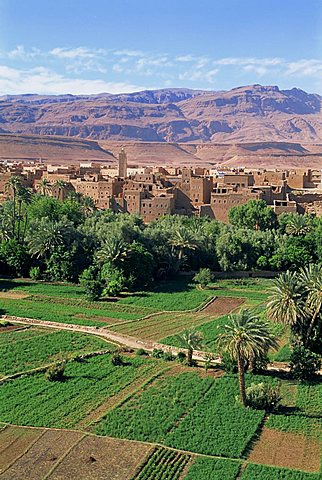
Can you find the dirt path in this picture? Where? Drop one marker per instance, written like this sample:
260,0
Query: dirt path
125,340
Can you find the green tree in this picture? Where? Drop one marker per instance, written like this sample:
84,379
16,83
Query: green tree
296,300
204,277
191,340
244,337
44,186
298,225
183,241
254,214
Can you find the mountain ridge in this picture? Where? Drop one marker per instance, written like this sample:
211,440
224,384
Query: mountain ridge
253,113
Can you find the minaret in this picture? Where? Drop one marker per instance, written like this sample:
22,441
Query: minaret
122,164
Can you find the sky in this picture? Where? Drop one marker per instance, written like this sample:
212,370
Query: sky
93,46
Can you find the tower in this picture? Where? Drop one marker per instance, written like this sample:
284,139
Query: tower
122,164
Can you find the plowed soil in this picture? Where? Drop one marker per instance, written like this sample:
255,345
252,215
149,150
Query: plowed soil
223,305
289,450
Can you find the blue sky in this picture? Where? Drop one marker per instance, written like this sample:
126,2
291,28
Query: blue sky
77,46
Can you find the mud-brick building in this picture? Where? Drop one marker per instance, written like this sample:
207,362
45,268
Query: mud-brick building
100,189
197,188
223,198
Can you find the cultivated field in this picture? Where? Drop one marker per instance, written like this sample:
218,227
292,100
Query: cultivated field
146,418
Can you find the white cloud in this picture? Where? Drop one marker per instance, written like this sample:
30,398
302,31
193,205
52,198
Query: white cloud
307,67
21,53
44,81
75,53
129,53
199,75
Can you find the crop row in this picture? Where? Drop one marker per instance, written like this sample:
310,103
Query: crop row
151,413
218,425
163,464
35,351
33,400
14,336
213,468
263,472
55,312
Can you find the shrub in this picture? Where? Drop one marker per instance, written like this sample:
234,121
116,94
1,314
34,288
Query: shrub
304,364
35,273
141,351
263,396
92,284
117,360
168,356
204,277
157,353
55,373
230,366
181,357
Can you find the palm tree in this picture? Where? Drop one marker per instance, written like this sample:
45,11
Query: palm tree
113,250
311,279
12,187
192,340
44,185
286,304
298,225
46,236
183,240
244,337
88,205
59,185
296,299
23,196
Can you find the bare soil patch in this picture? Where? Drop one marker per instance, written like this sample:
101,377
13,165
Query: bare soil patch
96,458
222,305
284,449
42,456
14,441
9,328
14,295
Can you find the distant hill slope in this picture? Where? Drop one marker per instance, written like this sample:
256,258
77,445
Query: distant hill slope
246,114
51,149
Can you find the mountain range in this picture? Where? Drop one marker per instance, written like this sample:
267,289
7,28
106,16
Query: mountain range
242,115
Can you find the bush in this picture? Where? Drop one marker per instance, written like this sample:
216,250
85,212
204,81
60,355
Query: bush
230,366
263,396
92,284
204,277
141,351
117,360
181,357
35,273
304,364
157,353
55,373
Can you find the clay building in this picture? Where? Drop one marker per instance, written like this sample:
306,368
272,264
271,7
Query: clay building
223,198
100,189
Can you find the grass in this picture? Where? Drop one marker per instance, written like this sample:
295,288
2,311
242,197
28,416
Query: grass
151,413
26,353
163,464
33,400
186,412
213,468
174,295
305,416
55,311
263,472
42,288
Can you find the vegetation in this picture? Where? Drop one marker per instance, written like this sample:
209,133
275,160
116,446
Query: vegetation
263,472
204,277
163,464
246,337
213,468
263,396
191,340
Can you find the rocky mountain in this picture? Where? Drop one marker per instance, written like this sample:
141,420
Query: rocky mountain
245,114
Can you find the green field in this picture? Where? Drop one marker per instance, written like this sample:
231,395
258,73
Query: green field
213,469
163,464
21,350
262,472
33,400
